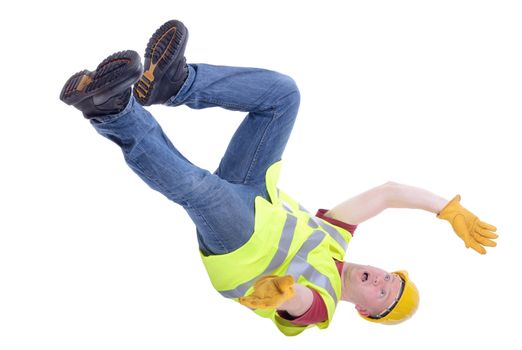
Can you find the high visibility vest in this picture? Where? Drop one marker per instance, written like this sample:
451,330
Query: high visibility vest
287,240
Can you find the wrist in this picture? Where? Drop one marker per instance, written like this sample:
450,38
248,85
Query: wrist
300,303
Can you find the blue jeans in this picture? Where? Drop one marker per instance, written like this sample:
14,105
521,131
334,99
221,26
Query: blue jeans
221,204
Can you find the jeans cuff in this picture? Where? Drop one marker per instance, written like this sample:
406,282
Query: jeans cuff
179,98
111,117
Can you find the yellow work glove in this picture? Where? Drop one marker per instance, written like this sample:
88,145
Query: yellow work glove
269,292
468,227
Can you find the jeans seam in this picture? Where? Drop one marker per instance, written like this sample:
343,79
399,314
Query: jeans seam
256,152
152,178
183,203
249,108
275,115
220,103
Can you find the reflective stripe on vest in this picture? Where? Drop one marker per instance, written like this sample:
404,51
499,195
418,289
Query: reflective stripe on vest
313,222
284,245
298,266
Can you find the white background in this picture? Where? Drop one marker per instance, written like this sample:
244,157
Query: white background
426,93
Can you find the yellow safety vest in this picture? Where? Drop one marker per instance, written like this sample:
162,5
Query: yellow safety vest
287,240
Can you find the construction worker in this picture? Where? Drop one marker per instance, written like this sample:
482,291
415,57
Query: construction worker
260,247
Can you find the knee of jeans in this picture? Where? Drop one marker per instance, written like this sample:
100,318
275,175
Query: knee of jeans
203,188
288,90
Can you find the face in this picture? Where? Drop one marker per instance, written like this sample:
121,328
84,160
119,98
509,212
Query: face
373,290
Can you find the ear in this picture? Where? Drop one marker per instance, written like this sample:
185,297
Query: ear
362,311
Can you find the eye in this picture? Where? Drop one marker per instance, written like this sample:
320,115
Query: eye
387,277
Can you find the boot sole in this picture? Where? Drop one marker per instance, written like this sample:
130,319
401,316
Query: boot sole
163,49
112,76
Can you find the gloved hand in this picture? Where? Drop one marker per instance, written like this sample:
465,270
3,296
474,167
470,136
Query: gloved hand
270,292
468,227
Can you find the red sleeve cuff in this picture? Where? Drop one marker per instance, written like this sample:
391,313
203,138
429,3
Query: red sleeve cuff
349,227
315,314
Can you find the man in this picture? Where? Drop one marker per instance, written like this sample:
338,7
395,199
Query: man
259,246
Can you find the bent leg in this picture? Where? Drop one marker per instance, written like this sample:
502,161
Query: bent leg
220,210
271,100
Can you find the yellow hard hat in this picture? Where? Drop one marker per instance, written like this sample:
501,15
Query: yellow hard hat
404,308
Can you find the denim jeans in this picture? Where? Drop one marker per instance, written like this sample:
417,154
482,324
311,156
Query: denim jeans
221,204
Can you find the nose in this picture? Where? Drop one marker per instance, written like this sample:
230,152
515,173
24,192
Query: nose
377,280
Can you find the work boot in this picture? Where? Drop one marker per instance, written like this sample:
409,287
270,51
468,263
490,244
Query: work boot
165,65
107,90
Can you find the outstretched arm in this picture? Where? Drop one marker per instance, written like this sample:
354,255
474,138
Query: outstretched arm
474,232
389,195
